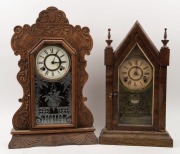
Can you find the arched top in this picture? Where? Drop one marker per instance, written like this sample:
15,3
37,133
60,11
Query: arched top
51,24
52,16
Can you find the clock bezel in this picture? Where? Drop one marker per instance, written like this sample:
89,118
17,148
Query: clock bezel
61,77
147,61
32,54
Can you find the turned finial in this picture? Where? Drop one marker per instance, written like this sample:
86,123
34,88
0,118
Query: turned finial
109,41
109,33
165,41
165,33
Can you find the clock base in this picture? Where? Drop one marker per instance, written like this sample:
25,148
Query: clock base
33,138
137,138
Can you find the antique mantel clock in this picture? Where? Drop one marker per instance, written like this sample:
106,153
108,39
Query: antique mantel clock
136,91
52,75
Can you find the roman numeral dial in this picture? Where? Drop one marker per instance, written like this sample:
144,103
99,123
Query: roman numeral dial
52,62
135,73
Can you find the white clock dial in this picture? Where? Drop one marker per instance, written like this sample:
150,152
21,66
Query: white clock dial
135,73
52,62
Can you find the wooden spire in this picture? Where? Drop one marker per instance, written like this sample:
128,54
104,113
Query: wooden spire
165,41
165,51
109,41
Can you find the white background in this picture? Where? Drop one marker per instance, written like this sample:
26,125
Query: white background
98,15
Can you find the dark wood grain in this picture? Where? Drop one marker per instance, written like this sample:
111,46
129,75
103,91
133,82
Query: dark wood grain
108,61
137,138
113,132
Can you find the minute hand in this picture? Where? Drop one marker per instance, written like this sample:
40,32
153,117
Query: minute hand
55,56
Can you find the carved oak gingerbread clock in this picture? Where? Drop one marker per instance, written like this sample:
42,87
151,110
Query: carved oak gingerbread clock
52,75
136,75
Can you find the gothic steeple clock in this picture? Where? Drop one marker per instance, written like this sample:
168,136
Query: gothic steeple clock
136,75
52,75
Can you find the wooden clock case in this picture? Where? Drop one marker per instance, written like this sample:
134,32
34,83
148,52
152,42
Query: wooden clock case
52,28
115,133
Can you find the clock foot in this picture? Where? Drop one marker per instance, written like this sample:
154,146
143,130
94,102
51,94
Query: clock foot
137,138
27,139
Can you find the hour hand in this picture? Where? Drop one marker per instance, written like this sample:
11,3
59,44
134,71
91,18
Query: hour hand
139,74
54,62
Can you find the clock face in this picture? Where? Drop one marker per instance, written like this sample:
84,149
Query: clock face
52,62
135,73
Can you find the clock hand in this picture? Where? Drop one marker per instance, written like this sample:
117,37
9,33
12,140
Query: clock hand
53,62
54,57
60,62
136,72
136,68
139,74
